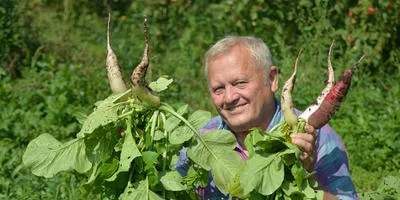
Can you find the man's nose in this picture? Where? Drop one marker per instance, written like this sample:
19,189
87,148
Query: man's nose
231,95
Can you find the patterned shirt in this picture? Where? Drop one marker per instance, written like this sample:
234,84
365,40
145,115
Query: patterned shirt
331,164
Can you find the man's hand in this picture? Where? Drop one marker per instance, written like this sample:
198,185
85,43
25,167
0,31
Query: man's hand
306,141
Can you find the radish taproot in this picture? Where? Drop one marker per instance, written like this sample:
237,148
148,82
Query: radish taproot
140,87
287,99
319,114
138,78
113,67
327,103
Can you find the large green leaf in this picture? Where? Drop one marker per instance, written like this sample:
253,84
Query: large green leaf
128,153
105,113
215,151
180,135
172,181
100,145
183,133
199,118
46,156
140,191
172,121
225,168
263,174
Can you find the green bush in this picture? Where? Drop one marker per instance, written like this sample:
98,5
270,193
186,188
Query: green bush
17,36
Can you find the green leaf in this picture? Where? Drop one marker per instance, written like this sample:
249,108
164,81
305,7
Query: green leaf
105,113
158,135
172,122
183,133
235,189
197,177
214,151
251,140
172,181
103,170
271,145
128,153
308,191
289,187
140,191
225,168
174,160
263,174
180,135
289,158
202,153
199,118
101,145
46,156
150,157
160,85
298,173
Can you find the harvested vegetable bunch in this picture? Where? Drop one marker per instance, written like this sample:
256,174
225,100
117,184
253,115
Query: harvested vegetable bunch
129,144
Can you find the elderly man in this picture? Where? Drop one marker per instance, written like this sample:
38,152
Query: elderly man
243,81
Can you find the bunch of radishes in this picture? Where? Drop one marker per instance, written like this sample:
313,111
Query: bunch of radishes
327,103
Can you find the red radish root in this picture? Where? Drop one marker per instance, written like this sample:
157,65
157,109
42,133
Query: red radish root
332,101
329,85
327,103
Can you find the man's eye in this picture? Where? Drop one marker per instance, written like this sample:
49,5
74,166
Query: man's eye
218,90
241,84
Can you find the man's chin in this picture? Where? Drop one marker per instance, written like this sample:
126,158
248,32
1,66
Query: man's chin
239,127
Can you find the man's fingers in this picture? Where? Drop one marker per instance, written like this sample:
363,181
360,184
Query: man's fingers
305,141
308,128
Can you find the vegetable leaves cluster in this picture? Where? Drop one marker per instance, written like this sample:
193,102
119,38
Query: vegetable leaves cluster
129,149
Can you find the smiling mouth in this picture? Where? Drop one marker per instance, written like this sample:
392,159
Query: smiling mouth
235,108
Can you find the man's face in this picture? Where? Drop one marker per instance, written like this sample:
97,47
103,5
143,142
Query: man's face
239,91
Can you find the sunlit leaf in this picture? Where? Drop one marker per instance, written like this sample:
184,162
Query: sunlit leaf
128,153
46,156
263,174
215,152
160,85
140,191
172,181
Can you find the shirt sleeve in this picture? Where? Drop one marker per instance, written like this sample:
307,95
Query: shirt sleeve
332,165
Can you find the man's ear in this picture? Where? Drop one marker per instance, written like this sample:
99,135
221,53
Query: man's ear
273,78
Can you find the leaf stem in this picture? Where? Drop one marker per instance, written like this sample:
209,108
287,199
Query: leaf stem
154,120
125,114
166,108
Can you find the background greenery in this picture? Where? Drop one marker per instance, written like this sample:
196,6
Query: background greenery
52,60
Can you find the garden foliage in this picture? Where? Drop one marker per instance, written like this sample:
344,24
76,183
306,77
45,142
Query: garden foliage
57,48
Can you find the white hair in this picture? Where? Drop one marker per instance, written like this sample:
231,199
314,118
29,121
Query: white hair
256,47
